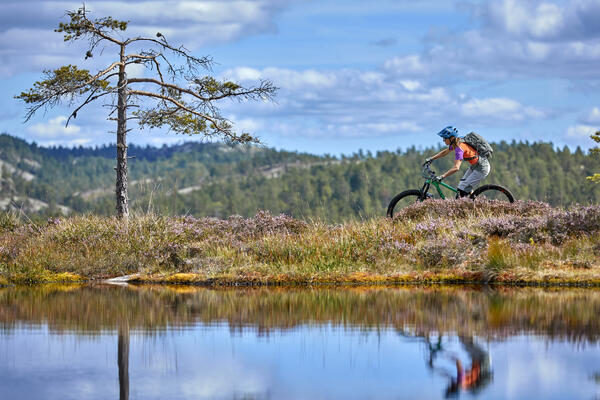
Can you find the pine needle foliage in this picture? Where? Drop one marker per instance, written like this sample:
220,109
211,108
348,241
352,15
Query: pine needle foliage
595,150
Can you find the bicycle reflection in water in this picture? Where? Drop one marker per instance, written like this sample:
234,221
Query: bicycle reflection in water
473,379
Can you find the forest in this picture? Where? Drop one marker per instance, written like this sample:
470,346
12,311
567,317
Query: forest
212,179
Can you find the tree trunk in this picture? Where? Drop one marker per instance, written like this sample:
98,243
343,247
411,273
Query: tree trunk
121,190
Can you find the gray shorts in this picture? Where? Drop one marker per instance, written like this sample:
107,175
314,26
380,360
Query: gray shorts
474,175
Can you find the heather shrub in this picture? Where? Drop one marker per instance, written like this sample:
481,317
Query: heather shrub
576,220
11,243
236,230
432,228
553,227
442,252
392,247
463,208
532,230
475,239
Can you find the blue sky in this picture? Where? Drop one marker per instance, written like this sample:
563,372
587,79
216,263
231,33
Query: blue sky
372,75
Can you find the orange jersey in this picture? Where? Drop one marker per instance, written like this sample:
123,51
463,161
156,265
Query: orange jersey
465,152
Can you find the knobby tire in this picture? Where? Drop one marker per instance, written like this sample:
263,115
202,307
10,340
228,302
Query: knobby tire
500,192
406,194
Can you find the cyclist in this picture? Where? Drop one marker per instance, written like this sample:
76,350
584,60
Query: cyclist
478,170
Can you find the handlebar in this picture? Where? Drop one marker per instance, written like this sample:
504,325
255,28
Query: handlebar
427,172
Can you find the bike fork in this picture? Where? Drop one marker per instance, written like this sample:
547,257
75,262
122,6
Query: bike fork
424,191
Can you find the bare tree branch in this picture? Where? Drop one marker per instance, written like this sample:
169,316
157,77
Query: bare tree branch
205,62
214,121
263,91
90,99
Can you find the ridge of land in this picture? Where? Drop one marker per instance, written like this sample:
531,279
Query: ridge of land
459,241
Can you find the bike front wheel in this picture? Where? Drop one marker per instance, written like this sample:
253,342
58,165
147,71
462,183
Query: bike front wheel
402,200
493,192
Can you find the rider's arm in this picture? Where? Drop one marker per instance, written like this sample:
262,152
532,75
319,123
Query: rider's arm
441,154
454,169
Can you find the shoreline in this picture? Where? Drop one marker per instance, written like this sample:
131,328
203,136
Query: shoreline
181,279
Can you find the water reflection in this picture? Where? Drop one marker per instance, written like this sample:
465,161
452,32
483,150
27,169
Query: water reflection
123,361
477,376
409,342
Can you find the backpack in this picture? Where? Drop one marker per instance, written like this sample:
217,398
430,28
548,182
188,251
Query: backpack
481,145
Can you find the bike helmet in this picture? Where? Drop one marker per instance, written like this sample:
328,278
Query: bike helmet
448,132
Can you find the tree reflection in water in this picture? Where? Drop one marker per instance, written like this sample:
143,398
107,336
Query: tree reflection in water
123,361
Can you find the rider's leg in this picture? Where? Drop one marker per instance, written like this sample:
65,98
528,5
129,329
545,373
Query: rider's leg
463,184
474,175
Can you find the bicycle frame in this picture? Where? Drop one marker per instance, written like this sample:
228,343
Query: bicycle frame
428,174
436,185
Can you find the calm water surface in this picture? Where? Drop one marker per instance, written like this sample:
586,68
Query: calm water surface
107,342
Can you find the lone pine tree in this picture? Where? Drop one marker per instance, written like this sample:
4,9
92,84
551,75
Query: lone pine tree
174,96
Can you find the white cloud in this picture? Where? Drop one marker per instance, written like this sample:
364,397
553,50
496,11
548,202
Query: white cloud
541,19
526,18
135,71
512,39
370,129
54,133
27,38
592,117
226,378
248,124
580,131
408,66
243,74
411,85
287,78
32,49
54,129
500,108
361,104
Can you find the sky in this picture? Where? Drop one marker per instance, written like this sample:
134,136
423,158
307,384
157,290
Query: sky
352,74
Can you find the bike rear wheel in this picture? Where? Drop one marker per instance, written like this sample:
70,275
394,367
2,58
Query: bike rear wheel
402,200
493,192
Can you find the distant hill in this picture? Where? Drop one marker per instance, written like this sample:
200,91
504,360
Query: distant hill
207,179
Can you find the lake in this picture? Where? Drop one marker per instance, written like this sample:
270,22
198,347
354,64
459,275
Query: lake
407,342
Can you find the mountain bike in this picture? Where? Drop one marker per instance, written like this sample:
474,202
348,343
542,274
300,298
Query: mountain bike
408,197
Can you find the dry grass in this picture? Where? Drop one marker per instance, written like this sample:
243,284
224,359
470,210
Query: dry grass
445,241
